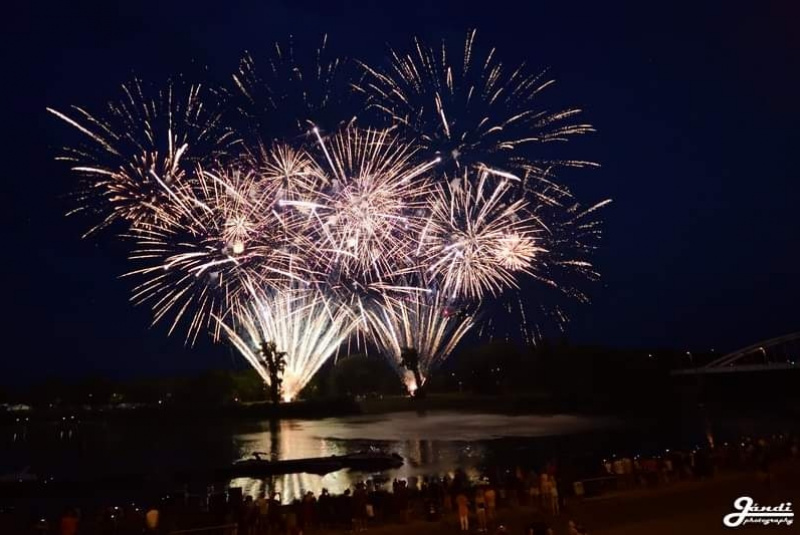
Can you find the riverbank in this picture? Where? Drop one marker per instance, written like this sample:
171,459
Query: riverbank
166,412
541,403
686,507
514,404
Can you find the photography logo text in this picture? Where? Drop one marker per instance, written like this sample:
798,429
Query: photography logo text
749,512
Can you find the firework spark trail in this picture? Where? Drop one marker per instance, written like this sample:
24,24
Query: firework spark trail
291,170
221,241
368,220
478,238
422,324
369,215
145,140
386,236
305,324
467,106
290,88
462,103
570,238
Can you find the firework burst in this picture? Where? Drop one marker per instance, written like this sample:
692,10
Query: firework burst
478,238
468,107
142,145
222,240
289,241
371,209
289,170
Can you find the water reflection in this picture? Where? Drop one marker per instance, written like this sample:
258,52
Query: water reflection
166,452
286,439
435,443
292,486
282,440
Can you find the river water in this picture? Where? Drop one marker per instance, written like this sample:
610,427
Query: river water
436,442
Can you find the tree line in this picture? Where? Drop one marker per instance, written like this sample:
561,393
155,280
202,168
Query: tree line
581,374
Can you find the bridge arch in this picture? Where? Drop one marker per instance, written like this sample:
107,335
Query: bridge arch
780,353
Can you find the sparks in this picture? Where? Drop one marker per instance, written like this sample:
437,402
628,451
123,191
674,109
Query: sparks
285,228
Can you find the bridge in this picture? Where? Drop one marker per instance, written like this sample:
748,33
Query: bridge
781,353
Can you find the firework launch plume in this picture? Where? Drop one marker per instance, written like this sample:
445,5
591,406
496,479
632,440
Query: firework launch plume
305,325
426,324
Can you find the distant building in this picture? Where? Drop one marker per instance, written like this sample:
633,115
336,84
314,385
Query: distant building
14,407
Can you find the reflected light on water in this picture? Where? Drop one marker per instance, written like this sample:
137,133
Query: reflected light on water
288,439
294,486
433,443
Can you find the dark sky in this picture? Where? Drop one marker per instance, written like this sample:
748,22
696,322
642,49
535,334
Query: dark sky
696,107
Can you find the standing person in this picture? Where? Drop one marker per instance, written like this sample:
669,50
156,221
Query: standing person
308,512
262,504
360,507
491,504
151,518
763,462
554,505
274,513
544,490
347,511
402,498
369,509
447,497
69,523
536,495
619,472
480,509
292,527
462,504
324,507
247,516
539,527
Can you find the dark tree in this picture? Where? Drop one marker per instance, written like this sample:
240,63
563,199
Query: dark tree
359,375
409,359
275,361
248,385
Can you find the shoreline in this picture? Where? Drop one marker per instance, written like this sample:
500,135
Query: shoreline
512,405
311,410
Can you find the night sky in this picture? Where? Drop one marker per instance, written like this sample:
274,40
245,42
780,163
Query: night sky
696,108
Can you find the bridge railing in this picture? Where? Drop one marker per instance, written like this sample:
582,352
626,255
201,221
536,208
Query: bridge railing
740,368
